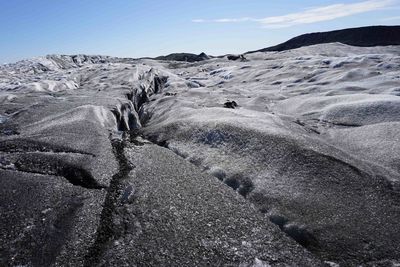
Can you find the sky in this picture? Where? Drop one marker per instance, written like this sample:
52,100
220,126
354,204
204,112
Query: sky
139,28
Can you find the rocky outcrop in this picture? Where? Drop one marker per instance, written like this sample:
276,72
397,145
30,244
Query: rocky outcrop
186,57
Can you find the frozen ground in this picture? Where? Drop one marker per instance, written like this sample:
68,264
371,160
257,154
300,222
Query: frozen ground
304,170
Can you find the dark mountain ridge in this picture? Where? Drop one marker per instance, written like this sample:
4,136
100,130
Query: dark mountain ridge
363,36
188,57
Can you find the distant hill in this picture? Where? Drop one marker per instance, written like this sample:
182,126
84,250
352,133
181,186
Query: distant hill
184,57
364,36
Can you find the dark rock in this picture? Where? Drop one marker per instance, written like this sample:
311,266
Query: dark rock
236,57
170,94
230,104
186,57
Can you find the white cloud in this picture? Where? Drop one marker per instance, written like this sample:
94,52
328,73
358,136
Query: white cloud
312,15
235,20
324,13
198,20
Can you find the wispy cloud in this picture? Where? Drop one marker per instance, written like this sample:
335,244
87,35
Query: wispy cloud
311,15
235,20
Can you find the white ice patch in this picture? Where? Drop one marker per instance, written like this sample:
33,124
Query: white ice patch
90,113
259,263
224,73
52,86
3,119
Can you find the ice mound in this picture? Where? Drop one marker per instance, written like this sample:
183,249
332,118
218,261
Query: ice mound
87,114
363,113
52,86
374,142
54,62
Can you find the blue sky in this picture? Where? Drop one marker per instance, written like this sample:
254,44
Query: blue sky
137,28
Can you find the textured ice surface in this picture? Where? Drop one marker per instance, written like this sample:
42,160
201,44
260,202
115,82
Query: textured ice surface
313,142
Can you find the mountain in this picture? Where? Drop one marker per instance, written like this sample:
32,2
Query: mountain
363,36
184,57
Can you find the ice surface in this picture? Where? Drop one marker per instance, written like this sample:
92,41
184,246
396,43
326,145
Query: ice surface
313,140
312,127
